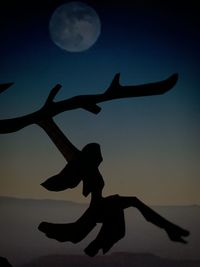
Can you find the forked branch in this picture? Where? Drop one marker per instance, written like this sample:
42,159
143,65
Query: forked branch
87,102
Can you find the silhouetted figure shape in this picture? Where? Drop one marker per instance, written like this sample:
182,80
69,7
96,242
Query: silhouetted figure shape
109,210
87,102
4,262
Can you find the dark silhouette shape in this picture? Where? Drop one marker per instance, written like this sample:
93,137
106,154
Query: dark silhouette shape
4,86
110,212
87,102
83,165
4,262
75,171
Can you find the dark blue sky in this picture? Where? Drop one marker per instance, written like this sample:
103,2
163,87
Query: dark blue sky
150,145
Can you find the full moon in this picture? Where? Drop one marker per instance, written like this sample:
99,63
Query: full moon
74,26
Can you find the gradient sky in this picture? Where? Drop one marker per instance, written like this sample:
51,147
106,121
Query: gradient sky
150,145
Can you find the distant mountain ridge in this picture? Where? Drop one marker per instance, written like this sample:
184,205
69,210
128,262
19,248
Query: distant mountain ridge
8,198
120,259
21,241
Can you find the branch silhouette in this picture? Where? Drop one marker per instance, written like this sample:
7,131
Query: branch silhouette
87,102
4,86
83,166
110,212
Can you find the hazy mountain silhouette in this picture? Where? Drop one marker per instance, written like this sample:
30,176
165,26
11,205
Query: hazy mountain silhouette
113,260
21,242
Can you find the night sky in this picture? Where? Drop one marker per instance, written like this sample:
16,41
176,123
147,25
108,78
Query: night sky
150,145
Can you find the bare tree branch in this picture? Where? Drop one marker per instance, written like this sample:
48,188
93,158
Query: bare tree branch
87,102
52,94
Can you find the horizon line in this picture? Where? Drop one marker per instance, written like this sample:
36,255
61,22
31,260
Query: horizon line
87,203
